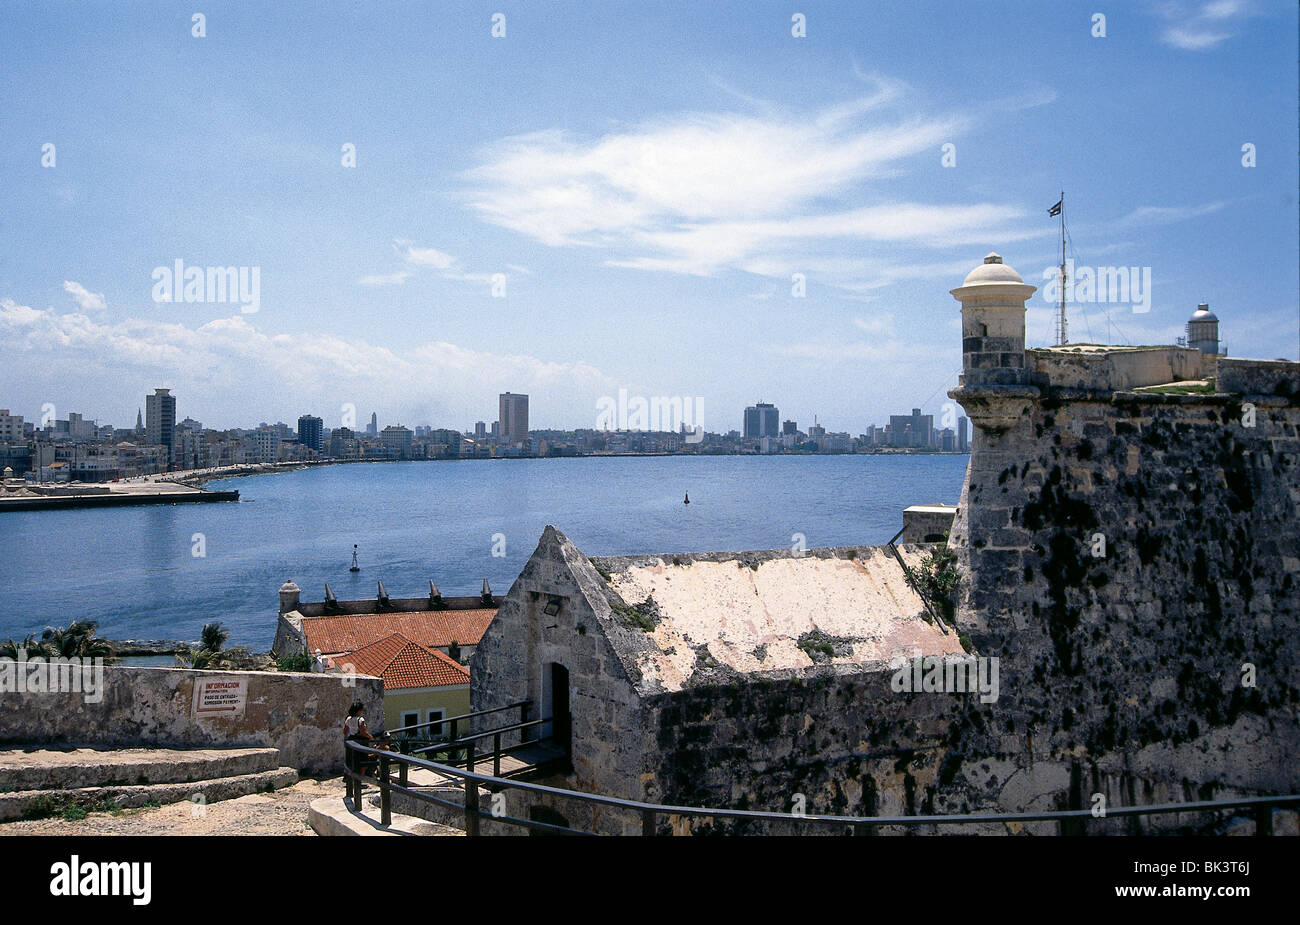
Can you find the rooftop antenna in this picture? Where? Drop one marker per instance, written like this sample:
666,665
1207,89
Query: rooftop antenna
355,567
1059,209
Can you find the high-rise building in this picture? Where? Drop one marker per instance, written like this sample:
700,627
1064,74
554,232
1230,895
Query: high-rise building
480,430
789,428
373,427
513,414
963,441
311,432
915,429
762,420
160,419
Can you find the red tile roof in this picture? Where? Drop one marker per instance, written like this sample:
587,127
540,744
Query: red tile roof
403,664
433,629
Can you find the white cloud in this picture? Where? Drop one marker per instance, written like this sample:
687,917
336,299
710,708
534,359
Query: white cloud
1204,26
424,256
1166,215
231,363
385,279
89,301
700,193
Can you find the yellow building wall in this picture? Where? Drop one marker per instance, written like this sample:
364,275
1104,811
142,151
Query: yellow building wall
453,701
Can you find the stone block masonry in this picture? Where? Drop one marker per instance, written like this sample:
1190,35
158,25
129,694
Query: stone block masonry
300,714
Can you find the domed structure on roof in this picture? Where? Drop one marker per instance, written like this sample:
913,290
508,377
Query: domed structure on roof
1203,330
992,272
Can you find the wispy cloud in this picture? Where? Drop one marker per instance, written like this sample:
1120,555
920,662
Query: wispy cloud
699,193
1202,26
234,363
385,279
89,301
1167,215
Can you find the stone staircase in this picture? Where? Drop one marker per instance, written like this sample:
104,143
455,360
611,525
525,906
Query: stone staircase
41,781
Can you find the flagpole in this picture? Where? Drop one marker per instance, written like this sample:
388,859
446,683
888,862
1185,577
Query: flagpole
1062,339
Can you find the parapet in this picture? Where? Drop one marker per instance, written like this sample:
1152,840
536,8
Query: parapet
1259,377
1115,369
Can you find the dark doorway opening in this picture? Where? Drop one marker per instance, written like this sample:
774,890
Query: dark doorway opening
561,724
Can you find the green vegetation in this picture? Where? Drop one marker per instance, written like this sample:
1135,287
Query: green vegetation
936,581
642,616
599,571
74,813
77,640
212,654
817,645
301,662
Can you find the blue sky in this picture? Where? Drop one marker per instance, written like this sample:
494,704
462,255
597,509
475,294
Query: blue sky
646,177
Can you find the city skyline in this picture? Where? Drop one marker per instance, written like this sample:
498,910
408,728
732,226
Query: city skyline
778,220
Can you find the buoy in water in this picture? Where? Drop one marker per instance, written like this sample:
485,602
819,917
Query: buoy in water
688,498
355,567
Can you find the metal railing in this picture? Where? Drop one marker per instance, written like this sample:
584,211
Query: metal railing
651,814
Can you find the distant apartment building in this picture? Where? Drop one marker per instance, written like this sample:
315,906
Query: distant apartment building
513,416
160,419
762,420
344,443
397,441
263,445
311,432
441,443
11,427
372,429
911,430
963,441
191,450
789,428
480,430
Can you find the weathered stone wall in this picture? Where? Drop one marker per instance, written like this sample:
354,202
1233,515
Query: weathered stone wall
300,714
926,524
1123,671
511,663
1116,368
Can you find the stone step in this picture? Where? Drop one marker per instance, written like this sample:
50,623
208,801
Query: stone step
74,769
51,801
336,816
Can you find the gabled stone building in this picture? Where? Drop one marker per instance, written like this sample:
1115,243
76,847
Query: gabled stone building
723,679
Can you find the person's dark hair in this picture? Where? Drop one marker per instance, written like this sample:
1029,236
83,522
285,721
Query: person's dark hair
356,708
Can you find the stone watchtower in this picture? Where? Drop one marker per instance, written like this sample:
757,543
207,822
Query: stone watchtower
996,386
1203,330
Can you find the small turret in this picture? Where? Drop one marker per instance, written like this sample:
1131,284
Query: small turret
289,594
996,382
1203,330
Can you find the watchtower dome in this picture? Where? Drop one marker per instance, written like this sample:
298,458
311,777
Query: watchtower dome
996,386
992,301
1203,330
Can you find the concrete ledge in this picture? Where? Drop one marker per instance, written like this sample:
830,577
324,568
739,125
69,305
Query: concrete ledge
33,803
46,769
335,816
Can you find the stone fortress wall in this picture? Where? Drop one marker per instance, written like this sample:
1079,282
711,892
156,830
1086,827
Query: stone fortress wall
1132,557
